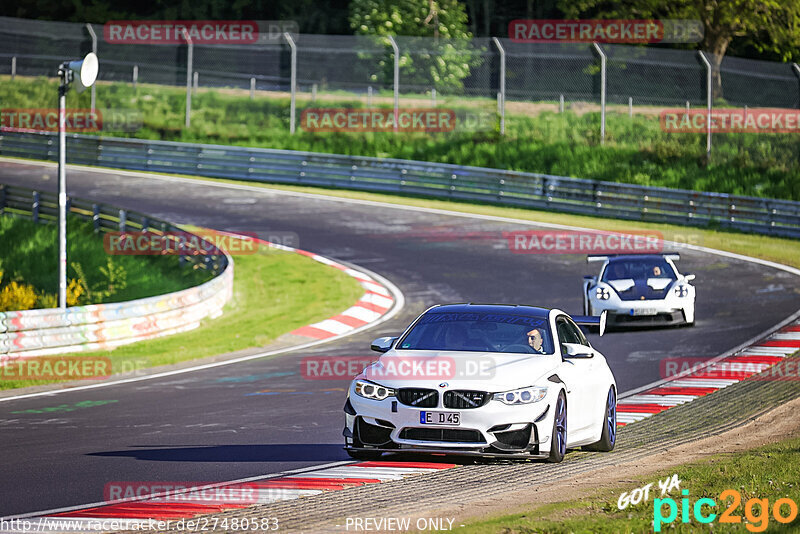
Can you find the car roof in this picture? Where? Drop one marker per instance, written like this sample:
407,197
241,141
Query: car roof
516,309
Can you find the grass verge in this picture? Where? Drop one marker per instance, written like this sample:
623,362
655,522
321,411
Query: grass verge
770,472
636,149
274,292
29,255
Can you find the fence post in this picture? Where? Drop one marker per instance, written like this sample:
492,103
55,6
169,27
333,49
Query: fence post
433,96
123,219
369,96
252,88
94,50
501,96
96,217
561,103
313,92
13,67
602,92
195,82
796,69
35,207
189,54
135,76
396,76
2,198
708,102
292,107
630,107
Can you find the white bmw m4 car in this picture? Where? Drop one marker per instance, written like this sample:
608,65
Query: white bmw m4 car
640,290
486,380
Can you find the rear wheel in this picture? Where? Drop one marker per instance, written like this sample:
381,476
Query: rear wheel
609,436
558,443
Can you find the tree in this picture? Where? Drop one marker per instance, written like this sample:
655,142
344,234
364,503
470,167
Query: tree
770,25
440,57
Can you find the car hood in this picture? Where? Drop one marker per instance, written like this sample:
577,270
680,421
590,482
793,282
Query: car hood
483,371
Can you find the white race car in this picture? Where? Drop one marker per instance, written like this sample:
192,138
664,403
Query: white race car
488,380
640,289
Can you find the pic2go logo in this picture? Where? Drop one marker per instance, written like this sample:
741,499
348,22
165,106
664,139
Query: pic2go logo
756,511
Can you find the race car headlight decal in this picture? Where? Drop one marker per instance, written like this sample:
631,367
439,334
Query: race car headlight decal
682,291
602,293
371,390
521,396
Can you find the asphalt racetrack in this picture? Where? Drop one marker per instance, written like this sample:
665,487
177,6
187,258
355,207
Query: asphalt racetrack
225,423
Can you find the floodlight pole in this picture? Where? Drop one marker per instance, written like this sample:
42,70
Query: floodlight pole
293,81
502,84
189,54
602,92
709,81
94,50
396,51
65,74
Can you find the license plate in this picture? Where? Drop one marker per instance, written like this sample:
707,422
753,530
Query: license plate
440,418
644,311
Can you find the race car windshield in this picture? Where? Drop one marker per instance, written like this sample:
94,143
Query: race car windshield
638,269
484,332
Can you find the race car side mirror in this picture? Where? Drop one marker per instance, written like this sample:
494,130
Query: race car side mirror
576,350
383,344
690,277
588,277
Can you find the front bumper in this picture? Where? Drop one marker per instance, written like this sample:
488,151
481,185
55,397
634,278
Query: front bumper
492,429
642,313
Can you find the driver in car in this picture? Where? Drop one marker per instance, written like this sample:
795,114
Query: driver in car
536,340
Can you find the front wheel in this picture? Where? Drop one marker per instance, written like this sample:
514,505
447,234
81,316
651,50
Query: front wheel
558,443
609,436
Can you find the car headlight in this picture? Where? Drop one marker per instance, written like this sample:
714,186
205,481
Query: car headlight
371,390
521,396
602,293
682,291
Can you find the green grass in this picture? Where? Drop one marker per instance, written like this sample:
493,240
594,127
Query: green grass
771,472
29,254
635,151
274,293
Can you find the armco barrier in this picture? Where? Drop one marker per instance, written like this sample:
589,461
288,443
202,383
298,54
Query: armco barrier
42,332
439,180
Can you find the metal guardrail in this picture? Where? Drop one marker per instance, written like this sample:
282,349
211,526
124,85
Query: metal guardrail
438,180
41,332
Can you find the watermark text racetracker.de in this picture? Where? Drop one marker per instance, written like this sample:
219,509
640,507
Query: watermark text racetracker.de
584,242
197,242
52,368
397,367
647,31
731,120
729,369
75,120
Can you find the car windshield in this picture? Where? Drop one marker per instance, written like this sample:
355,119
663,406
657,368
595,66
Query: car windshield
484,332
638,269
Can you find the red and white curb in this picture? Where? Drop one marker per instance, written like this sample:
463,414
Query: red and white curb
373,304
134,513
684,388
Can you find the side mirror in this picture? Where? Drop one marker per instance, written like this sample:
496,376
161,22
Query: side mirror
383,344
590,278
690,277
576,350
